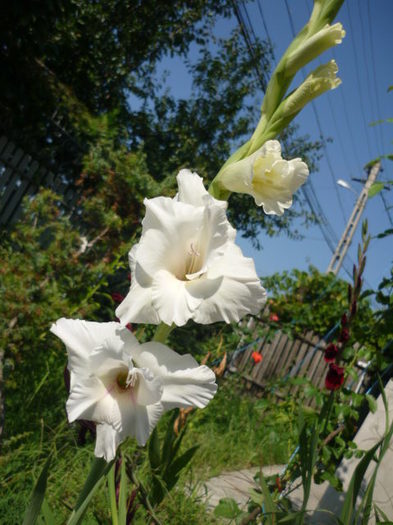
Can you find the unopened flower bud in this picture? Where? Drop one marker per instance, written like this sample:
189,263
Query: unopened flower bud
322,79
353,309
312,47
344,335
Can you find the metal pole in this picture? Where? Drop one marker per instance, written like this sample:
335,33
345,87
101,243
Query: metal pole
346,238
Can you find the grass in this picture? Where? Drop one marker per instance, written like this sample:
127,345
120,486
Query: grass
236,430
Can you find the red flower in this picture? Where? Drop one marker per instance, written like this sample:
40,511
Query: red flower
344,320
344,336
278,484
330,352
274,318
335,377
117,297
257,357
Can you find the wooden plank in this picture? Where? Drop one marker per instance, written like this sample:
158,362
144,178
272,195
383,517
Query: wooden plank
288,356
279,353
15,201
266,350
3,142
12,187
301,355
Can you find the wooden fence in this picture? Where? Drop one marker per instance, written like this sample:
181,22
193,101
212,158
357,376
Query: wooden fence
284,358
21,175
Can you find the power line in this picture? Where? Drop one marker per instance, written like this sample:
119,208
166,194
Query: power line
248,41
357,68
379,113
365,59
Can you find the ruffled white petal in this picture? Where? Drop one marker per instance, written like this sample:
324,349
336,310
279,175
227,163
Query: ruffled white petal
185,382
192,190
137,306
239,293
92,400
81,337
171,299
139,421
107,441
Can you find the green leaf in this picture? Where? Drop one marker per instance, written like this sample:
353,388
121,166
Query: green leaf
375,189
227,508
380,514
174,469
170,437
390,88
355,484
376,122
270,506
154,450
385,233
37,496
98,470
372,403
123,493
48,516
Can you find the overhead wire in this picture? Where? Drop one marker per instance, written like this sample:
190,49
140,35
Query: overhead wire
374,75
377,102
357,68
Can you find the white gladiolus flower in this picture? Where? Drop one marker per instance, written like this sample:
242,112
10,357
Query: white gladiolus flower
266,176
125,386
186,265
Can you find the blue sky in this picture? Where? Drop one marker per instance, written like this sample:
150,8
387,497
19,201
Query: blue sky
366,69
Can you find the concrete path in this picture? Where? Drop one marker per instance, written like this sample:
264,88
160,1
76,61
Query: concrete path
237,485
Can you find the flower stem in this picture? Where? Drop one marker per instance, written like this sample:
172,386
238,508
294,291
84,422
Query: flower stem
112,495
162,332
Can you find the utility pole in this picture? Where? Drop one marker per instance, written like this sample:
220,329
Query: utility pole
346,238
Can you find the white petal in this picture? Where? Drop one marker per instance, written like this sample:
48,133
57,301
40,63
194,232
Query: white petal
240,291
106,357
299,173
171,300
192,190
107,441
271,148
137,306
149,389
90,399
81,337
185,382
237,177
139,421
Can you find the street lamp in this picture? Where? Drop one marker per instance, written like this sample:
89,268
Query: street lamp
346,185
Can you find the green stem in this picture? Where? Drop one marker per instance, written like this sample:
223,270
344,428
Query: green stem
162,332
112,494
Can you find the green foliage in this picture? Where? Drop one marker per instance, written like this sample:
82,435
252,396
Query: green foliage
314,300
37,497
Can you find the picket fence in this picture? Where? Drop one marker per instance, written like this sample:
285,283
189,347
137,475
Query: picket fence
285,357
21,175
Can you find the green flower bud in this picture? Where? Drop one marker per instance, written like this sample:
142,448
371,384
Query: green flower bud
312,47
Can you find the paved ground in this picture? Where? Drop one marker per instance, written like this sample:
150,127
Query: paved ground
236,485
